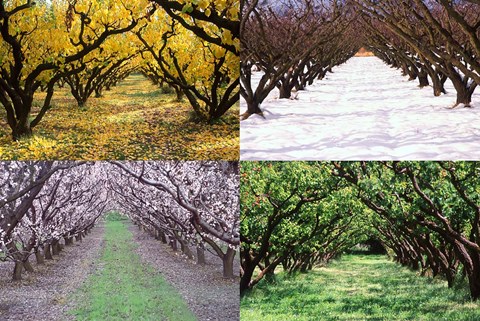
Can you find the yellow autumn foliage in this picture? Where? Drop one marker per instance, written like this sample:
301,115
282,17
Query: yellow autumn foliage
54,36
46,38
197,57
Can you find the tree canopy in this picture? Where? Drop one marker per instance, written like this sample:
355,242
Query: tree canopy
295,42
186,203
301,214
93,44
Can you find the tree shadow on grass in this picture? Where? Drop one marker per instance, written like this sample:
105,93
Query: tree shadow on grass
359,288
150,94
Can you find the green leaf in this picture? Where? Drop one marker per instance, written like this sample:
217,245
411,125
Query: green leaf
187,8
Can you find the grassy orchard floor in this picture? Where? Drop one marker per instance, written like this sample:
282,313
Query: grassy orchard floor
358,288
126,289
132,121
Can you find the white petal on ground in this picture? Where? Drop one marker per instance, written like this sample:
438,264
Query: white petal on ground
364,110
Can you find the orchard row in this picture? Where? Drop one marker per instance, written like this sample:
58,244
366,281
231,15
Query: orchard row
191,46
293,43
44,205
302,214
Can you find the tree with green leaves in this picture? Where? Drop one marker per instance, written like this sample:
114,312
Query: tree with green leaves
298,214
290,216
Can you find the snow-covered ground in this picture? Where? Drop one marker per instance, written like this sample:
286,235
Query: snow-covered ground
365,110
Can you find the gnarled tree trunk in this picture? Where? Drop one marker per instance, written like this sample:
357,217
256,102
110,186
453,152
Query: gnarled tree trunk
17,271
200,255
39,257
228,263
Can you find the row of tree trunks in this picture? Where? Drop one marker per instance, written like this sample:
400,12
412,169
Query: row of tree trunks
179,243
42,253
426,238
448,55
290,56
173,240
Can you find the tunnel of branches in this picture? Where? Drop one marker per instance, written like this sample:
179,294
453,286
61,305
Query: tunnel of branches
300,215
296,42
191,206
90,47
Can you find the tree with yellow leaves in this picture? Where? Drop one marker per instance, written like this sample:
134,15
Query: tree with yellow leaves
43,42
215,21
206,73
104,65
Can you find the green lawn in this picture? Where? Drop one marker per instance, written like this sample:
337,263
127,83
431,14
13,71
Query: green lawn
358,287
126,289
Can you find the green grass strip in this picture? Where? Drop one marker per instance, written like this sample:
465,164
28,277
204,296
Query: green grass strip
359,287
124,288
